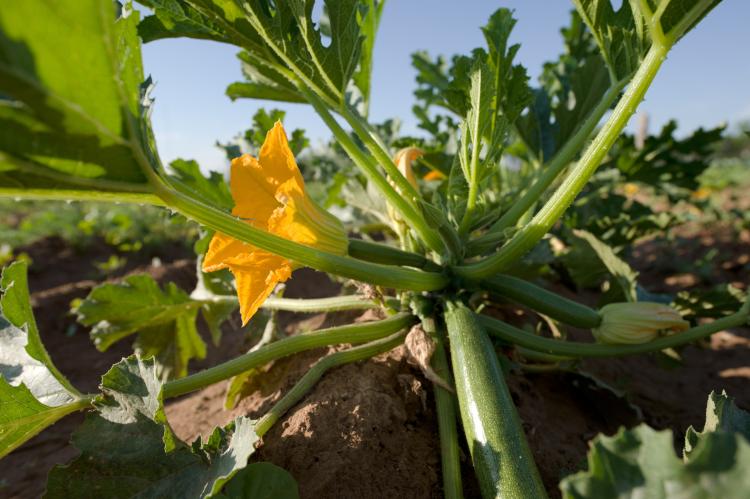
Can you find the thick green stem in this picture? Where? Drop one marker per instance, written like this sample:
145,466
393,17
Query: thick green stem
356,333
333,304
446,416
81,195
403,204
572,349
382,253
543,301
302,305
383,275
501,456
525,239
549,173
375,146
311,377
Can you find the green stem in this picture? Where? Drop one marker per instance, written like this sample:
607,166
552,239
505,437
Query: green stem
402,204
499,451
549,173
541,300
81,195
525,239
373,144
383,275
311,377
446,415
356,333
382,253
572,349
333,304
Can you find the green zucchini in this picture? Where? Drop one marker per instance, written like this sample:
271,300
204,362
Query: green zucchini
499,451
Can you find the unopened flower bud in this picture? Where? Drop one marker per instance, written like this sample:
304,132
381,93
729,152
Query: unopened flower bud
640,322
403,159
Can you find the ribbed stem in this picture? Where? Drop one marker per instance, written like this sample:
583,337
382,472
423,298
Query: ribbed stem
356,333
525,239
382,253
445,404
543,301
572,349
311,377
549,173
369,167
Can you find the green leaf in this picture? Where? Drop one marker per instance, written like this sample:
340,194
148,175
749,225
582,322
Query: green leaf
714,303
22,416
589,260
163,319
664,162
33,393
570,89
510,82
129,450
261,481
622,37
262,83
212,189
279,38
721,415
369,22
641,462
77,115
615,219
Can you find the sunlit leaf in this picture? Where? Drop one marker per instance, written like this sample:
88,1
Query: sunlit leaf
77,118
33,393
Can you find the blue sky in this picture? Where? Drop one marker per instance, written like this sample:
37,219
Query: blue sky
704,82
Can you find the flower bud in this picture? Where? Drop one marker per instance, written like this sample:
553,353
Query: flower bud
640,322
403,159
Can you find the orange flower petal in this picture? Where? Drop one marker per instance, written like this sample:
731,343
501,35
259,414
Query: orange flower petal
279,166
254,195
222,251
256,278
434,175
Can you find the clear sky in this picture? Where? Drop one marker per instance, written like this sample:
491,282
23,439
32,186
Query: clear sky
705,81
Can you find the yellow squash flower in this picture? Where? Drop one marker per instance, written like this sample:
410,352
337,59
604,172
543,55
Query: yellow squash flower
269,194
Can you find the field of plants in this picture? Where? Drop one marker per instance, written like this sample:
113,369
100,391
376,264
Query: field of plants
522,301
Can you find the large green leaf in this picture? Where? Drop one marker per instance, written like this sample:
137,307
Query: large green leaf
33,393
165,321
621,35
625,34
664,162
128,449
278,37
261,481
721,415
76,115
570,89
641,462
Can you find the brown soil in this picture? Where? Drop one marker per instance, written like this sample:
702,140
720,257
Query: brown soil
368,430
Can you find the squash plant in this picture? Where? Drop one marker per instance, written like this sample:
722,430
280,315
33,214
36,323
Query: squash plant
74,111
